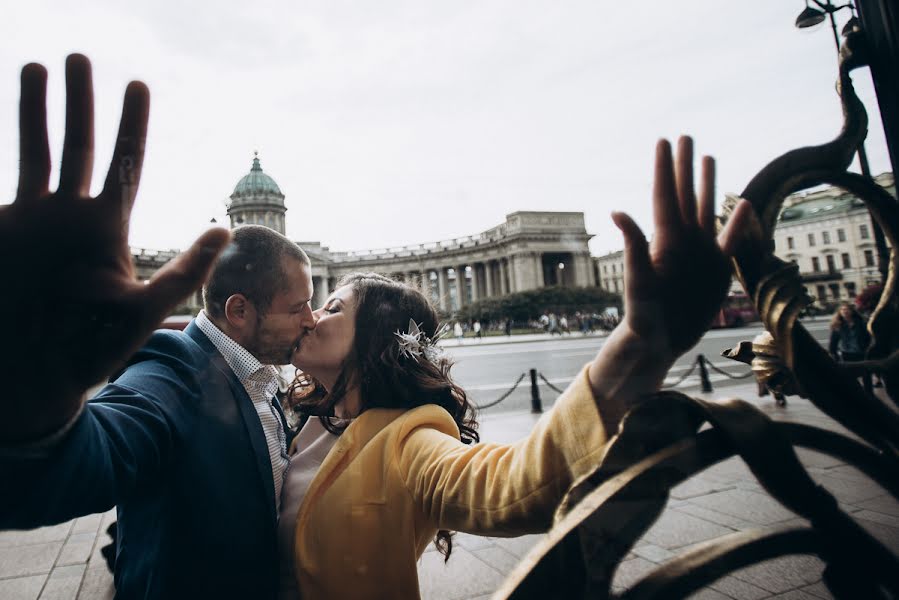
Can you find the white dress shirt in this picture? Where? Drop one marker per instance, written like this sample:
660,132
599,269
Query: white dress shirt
261,383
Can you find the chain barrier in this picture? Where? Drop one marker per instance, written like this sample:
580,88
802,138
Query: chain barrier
726,374
696,363
551,386
504,396
685,375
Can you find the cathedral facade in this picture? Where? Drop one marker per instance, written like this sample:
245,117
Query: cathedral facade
529,250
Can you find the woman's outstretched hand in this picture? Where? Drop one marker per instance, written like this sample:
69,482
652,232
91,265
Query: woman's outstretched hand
675,284
73,306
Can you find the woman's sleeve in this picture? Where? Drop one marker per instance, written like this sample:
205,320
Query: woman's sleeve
834,341
499,489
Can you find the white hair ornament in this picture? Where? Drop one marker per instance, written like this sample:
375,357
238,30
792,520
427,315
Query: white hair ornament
415,344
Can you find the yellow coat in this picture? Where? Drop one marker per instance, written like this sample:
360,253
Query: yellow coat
395,477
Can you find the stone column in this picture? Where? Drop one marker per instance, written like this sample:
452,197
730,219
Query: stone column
583,270
509,280
460,286
503,283
319,292
442,289
488,278
527,276
426,284
475,284
539,279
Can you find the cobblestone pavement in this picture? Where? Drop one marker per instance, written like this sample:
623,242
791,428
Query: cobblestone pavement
64,562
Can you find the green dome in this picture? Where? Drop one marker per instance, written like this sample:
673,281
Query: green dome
256,183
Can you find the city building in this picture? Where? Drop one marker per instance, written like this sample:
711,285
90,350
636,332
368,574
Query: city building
530,250
608,271
827,232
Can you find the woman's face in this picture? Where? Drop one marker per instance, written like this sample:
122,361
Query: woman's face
845,312
325,348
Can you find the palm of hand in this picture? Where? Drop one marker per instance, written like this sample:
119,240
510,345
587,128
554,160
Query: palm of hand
675,285
75,309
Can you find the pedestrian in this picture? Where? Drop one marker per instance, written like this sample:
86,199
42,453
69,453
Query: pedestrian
508,326
553,325
477,329
849,338
457,331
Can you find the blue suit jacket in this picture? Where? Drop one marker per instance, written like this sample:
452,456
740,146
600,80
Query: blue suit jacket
175,443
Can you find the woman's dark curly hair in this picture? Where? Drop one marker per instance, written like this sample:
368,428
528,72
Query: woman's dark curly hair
385,377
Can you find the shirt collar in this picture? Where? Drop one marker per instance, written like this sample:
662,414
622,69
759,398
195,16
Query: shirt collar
246,366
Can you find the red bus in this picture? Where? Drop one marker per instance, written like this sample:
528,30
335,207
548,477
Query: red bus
736,311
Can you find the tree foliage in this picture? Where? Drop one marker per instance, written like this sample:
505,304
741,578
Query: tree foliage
523,306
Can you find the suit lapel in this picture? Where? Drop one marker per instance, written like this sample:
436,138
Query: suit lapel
247,412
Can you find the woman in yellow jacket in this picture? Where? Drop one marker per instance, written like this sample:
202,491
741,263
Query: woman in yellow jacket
399,467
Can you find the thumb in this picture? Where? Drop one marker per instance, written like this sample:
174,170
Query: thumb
184,274
636,248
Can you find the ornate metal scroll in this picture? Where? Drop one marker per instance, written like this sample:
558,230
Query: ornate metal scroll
660,443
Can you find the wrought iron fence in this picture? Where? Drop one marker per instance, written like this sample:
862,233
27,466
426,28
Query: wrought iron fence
660,444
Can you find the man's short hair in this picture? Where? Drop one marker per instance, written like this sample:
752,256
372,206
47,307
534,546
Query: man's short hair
251,265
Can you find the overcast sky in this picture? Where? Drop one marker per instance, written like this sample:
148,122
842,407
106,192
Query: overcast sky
389,123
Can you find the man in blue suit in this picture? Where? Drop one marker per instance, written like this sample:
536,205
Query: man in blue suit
188,440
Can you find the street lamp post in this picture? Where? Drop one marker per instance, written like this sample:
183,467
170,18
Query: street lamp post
810,17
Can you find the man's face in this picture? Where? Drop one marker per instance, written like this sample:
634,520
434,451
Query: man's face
279,330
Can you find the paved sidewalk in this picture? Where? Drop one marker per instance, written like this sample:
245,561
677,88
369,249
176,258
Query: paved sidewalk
63,561
721,500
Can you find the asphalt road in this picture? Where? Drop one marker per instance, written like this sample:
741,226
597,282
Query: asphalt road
487,371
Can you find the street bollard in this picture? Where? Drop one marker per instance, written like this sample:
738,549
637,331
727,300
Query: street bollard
704,374
536,404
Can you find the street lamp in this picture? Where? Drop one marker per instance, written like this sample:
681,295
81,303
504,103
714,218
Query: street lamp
815,16
810,17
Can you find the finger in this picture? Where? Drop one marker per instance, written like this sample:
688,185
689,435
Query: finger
183,275
707,196
664,195
684,179
636,250
123,177
78,147
34,149
738,225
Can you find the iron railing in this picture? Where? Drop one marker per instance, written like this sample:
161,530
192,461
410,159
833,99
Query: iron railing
662,442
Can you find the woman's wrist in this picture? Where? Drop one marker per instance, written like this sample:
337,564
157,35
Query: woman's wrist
628,367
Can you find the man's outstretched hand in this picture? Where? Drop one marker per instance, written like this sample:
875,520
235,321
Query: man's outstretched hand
74,310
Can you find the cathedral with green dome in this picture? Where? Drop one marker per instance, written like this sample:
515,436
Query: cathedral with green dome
257,200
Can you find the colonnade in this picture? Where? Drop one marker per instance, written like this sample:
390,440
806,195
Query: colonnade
452,287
